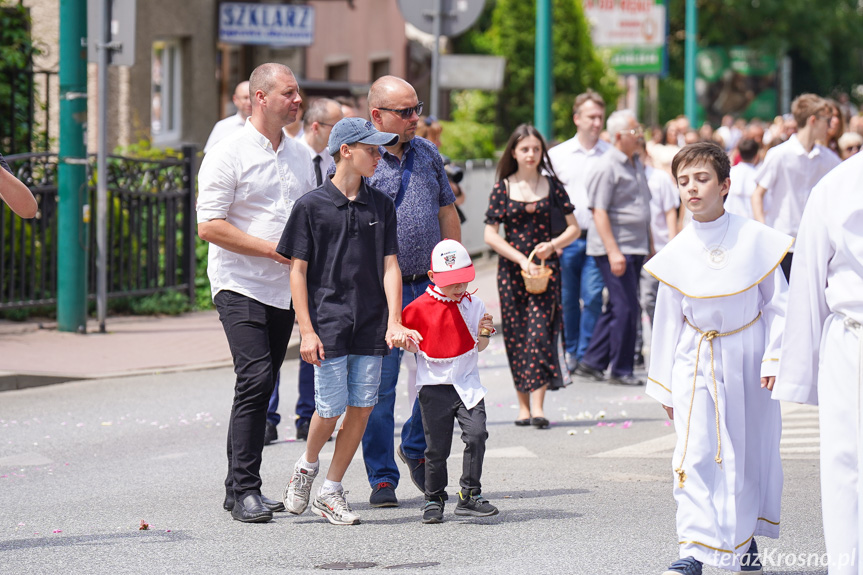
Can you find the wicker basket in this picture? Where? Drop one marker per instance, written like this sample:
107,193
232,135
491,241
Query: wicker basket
536,284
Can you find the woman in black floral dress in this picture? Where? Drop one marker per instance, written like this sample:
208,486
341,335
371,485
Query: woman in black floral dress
522,202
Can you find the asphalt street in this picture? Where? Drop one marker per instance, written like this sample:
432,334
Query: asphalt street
83,463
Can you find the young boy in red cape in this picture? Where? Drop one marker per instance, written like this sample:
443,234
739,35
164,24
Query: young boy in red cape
454,327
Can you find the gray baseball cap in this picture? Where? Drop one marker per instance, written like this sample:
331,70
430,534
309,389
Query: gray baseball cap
357,131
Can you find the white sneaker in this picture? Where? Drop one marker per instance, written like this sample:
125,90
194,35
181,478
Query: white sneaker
299,489
335,509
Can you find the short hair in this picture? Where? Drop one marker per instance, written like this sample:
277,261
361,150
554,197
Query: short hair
850,139
807,105
748,149
589,96
703,153
318,111
619,121
263,78
348,101
379,93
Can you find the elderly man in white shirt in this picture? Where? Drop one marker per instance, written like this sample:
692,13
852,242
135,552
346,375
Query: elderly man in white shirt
792,169
247,187
573,160
231,124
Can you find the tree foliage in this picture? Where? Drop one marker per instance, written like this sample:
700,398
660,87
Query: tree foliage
823,39
16,52
507,28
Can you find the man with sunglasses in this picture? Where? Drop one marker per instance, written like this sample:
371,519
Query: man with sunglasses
412,173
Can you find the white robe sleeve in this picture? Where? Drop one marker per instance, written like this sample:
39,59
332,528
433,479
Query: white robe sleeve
807,310
667,325
774,294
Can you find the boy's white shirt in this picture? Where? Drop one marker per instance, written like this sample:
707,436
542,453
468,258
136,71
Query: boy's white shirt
461,372
722,507
822,362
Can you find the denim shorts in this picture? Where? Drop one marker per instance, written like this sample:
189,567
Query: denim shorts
348,380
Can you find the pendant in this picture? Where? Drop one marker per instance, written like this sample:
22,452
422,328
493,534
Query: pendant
717,256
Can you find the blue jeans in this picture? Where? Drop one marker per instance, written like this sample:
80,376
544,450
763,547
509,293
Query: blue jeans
378,440
581,280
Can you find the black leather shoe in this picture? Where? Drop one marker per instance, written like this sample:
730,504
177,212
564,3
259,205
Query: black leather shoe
540,422
271,434
251,510
274,506
625,380
583,370
303,431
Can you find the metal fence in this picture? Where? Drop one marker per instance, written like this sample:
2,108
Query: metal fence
150,229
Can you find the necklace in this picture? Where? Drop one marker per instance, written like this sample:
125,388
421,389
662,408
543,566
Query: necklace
716,254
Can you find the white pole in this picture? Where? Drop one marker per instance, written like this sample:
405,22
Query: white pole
102,167
435,71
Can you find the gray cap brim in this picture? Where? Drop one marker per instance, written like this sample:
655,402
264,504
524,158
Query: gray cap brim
381,139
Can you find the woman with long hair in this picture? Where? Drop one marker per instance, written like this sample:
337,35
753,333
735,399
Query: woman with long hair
527,199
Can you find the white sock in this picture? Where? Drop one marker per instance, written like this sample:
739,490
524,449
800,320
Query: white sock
331,486
304,463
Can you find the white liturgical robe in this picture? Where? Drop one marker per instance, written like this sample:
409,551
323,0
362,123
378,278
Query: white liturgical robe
822,352
717,331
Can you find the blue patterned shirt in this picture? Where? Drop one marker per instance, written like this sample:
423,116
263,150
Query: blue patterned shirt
427,192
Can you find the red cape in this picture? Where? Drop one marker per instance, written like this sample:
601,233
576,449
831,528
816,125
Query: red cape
442,326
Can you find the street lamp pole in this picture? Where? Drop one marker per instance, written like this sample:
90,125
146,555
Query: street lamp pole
542,65
689,62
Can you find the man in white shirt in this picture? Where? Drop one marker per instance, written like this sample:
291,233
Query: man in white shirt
247,187
233,123
739,200
792,169
573,160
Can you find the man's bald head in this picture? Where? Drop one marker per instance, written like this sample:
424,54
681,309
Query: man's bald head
388,89
264,78
242,99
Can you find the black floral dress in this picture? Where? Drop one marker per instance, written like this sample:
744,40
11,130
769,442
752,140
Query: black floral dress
531,322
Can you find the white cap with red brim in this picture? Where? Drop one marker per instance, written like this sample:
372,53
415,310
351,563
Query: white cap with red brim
451,264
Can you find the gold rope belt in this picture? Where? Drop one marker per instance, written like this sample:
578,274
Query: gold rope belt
709,336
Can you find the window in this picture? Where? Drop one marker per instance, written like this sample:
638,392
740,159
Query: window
380,68
338,72
166,108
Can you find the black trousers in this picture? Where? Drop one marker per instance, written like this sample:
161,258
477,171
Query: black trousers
258,336
440,405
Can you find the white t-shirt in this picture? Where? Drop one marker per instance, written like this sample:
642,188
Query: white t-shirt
572,163
223,129
789,174
244,181
663,197
461,372
742,185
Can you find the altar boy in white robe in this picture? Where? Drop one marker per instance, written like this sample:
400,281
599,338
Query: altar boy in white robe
822,355
720,313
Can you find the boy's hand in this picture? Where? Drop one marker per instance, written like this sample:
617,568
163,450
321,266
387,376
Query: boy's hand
311,349
487,322
669,411
767,382
394,329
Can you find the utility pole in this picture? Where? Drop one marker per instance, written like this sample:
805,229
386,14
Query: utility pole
542,64
689,61
73,211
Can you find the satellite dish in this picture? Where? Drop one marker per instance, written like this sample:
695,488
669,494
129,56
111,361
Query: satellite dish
458,15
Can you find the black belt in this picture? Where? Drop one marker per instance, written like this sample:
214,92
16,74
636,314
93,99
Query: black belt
584,234
412,279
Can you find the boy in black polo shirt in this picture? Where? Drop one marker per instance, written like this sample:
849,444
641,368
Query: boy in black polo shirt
346,287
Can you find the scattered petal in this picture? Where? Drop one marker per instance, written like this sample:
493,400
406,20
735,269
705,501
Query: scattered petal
57,531
600,424
666,423
144,526
626,424
612,424
106,423
601,414
586,431
623,413
571,432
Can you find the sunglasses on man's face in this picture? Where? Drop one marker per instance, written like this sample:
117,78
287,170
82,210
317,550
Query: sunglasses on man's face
406,113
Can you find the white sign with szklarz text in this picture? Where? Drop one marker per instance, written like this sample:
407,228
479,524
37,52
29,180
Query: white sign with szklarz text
270,24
